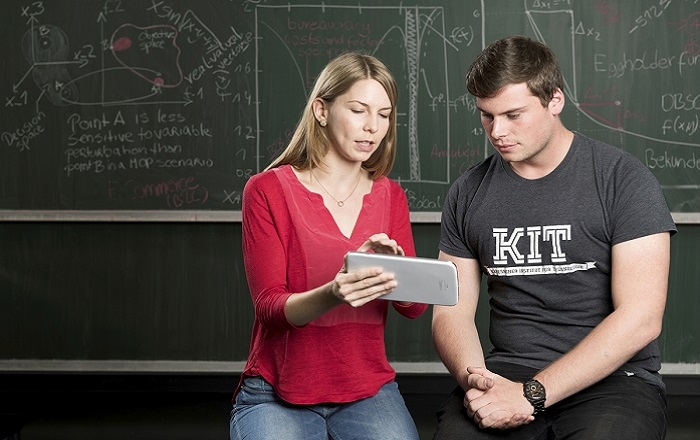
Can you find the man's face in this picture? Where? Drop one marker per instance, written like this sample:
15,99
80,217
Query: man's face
519,127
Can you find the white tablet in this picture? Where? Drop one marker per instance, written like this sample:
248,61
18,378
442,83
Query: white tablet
422,280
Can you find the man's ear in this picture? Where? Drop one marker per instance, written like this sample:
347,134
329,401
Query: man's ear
556,104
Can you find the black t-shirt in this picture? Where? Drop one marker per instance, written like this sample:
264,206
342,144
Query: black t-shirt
545,246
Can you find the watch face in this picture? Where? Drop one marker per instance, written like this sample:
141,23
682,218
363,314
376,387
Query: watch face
534,390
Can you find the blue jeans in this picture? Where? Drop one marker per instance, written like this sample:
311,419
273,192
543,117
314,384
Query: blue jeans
258,413
616,408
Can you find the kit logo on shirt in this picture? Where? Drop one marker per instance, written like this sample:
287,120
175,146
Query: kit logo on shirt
508,260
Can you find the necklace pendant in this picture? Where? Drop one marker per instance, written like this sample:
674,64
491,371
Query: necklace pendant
340,203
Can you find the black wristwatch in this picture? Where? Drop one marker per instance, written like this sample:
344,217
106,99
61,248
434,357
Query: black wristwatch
534,392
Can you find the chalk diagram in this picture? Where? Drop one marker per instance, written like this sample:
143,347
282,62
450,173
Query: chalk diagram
46,48
418,35
621,107
109,109
608,114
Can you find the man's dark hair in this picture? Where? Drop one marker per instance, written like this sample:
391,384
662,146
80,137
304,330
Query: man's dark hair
514,60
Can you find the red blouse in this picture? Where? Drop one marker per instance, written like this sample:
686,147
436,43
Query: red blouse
291,243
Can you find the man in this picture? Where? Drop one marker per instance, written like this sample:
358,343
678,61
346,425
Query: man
573,236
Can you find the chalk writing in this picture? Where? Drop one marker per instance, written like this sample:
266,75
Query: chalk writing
22,137
153,92
656,160
654,12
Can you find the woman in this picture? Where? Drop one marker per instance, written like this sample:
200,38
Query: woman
317,367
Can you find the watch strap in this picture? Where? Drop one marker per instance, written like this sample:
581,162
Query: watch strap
535,393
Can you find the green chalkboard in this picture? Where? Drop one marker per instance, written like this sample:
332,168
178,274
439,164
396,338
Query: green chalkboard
172,105
152,292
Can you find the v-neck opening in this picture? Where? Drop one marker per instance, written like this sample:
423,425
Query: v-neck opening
317,203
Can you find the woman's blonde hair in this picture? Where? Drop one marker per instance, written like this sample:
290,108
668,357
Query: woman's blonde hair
310,141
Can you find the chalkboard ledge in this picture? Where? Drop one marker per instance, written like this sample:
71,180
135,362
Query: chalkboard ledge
153,216
8,215
226,367
120,216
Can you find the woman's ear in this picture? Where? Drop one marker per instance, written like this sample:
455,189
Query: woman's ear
320,111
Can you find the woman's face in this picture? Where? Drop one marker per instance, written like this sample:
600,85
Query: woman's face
357,120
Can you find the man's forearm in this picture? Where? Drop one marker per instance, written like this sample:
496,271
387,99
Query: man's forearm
458,347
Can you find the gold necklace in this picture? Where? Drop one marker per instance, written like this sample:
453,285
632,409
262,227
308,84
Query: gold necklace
340,203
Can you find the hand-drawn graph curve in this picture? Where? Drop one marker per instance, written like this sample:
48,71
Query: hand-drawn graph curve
610,114
610,59
410,40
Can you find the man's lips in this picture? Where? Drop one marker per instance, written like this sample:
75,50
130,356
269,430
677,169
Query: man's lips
504,146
